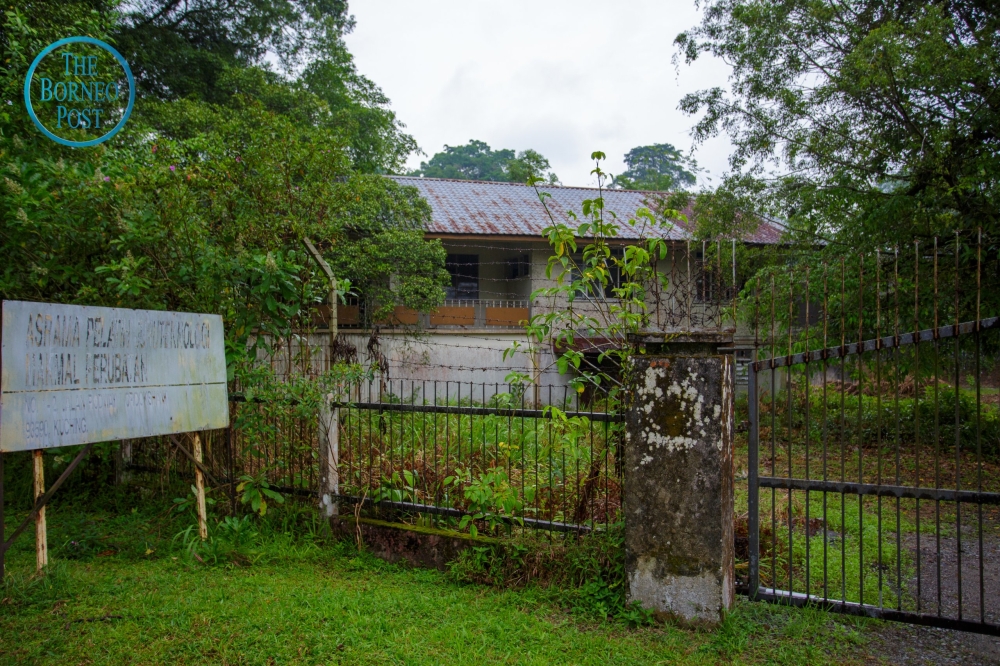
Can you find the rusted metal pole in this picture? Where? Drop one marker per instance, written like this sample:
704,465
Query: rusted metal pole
199,487
329,451
41,537
325,267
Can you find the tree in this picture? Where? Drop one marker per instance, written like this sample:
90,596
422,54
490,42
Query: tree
866,122
477,161
864,127
659,167
180,49
201,206
530,164
217,50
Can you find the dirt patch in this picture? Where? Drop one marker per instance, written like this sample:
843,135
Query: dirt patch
948,567
896,643
907,644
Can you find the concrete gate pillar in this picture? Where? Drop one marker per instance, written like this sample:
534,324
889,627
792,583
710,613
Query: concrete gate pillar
678,494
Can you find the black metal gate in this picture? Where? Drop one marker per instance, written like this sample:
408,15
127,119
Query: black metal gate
880,468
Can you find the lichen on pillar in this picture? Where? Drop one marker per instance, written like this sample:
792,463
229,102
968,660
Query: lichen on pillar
678,494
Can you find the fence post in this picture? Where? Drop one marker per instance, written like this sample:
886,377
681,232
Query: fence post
3,531
678,494
329,457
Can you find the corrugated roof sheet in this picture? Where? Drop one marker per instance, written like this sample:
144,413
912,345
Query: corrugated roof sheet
476,207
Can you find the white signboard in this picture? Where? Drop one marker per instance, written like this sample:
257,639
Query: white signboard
76,374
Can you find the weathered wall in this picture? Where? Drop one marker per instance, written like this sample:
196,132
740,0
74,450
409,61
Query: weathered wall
474,356
678,492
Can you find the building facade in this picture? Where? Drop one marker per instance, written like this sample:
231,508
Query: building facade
497,257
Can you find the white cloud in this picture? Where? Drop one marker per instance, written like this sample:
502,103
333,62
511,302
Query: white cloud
565,77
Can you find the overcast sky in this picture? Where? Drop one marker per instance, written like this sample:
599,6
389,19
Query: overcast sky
565,77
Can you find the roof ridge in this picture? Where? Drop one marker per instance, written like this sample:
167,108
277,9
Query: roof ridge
544,185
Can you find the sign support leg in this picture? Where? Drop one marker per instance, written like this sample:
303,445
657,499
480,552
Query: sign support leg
41,535
199,486
3,537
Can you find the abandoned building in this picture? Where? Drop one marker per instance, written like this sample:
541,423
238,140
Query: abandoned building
497,257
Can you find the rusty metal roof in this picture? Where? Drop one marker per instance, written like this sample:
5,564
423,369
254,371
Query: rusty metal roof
475,207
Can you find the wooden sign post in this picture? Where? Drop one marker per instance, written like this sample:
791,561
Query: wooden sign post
75,375
41,534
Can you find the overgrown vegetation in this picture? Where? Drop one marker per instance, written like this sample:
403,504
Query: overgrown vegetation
583,572
277,589
202,202
862,126
601,291
498,469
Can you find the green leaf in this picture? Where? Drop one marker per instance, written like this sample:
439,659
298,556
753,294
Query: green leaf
277,497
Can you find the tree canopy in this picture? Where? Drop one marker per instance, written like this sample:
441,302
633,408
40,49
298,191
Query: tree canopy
477,161
864,127
863,122
204,49
202,201
659,167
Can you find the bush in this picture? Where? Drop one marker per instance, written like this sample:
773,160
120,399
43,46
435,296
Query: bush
586,574
871,419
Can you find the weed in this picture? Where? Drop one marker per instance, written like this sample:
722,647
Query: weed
585,573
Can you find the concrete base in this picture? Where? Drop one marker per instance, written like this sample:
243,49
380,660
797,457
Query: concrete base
420,546
679,485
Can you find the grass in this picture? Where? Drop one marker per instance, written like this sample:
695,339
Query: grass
848,557
131,595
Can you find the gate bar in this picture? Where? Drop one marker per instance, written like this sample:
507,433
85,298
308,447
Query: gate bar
801,600
538,523
851,488
474,411
753,498
887,342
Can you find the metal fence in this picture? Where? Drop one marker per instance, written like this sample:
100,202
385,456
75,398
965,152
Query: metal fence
426,451
277,445
450,450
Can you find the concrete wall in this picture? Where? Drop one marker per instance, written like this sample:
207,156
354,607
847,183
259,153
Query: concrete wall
467,357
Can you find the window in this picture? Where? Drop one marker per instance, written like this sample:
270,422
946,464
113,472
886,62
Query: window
706,279
518,267
464,271
613,268
712,283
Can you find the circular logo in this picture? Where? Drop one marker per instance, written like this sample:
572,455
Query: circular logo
77,92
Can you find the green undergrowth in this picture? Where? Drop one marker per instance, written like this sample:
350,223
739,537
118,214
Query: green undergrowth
886,418
583,573
850,554
124,588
